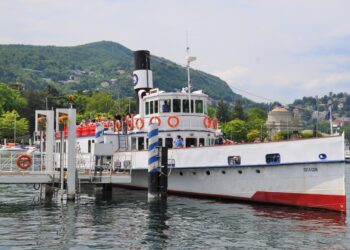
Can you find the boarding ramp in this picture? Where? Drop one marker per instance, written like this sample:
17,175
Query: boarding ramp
100,168
37,173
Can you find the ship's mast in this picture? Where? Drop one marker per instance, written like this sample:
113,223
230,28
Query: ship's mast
189,60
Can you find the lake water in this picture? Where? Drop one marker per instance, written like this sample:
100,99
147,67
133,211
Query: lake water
126,220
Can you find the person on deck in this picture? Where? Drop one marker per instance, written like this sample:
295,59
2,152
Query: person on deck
179,142
165,107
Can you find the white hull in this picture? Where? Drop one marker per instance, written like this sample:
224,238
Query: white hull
301,181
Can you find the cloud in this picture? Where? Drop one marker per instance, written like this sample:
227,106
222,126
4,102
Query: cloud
281,50
234,74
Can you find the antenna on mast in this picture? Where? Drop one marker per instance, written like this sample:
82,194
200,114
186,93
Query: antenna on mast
189,60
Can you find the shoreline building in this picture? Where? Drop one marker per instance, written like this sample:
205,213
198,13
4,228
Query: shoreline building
280,119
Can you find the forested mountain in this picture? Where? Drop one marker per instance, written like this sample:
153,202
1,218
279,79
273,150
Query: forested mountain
98,66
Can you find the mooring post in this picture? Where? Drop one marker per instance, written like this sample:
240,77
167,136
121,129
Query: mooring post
71,155
153,161
163,177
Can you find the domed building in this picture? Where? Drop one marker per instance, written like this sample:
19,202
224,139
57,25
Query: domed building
280,119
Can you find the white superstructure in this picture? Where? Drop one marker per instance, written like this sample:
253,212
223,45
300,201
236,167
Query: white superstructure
308,172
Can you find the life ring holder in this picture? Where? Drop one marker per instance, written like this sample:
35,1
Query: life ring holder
157,118
207,121
24,161
139,123
171,124
215,123
130,124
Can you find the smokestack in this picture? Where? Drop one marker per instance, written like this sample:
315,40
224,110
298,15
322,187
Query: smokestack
142,76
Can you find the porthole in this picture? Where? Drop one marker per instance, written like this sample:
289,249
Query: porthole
194,173
181,173
223,172
257,171
240,171
322,156
208,172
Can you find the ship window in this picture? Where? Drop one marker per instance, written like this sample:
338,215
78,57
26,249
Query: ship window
201,142
185,106
273,158
165,106
199,106
169,142
234,160
133,143
147,108
160,142
151,110
176,105
127,164
191,142
140,143
155,106
205,108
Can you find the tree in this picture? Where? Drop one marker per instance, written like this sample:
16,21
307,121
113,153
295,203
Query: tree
223,111
10,99
236,130
100,102
11,122
122,106
253,134
346,129
211,112
238,111
256,113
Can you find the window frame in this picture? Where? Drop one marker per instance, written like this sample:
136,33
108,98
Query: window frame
234,160
274,158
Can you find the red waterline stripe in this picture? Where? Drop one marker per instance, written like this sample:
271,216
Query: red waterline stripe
319,201
324,201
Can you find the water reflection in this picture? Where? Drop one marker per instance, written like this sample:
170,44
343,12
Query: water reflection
125,219
157,233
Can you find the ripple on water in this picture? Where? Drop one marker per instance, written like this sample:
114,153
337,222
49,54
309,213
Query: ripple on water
127,220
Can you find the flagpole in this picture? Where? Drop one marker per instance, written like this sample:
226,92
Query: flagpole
330,119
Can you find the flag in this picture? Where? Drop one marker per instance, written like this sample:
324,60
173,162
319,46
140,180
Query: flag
99,133
329,115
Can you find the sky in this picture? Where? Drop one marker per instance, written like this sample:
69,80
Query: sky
266,50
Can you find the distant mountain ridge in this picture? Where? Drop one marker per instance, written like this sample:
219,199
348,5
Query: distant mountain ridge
99,66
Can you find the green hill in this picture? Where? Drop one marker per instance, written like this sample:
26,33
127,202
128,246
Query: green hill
95,66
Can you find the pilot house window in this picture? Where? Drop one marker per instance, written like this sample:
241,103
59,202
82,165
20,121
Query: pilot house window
273,158
176,105
147,108
199,106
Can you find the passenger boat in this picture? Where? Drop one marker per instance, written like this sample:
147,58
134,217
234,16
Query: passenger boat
304,173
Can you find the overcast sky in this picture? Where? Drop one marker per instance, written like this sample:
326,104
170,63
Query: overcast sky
276,49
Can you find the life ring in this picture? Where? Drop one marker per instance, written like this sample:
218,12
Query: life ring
215,123
171,124
157,118
207,121
139,123
24,161
130,124
117,125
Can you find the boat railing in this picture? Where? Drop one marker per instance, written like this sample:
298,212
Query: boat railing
8,161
